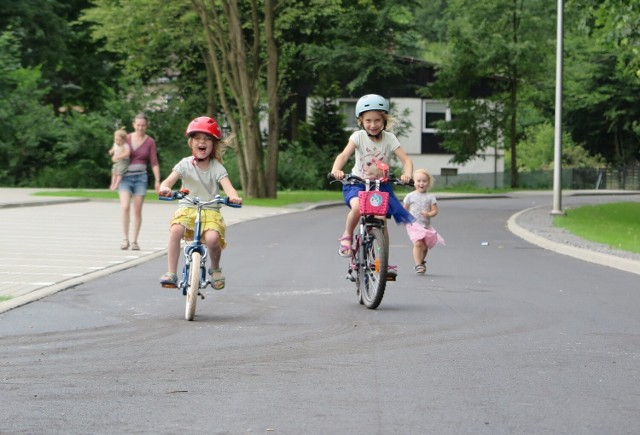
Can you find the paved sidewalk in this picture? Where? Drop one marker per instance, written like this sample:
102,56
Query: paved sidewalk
50,244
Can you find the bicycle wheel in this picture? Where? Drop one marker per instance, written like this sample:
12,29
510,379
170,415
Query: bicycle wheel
194,285
373,270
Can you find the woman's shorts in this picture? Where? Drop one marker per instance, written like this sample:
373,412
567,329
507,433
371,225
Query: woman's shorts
134,184
210,220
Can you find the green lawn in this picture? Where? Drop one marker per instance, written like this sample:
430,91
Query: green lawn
616,225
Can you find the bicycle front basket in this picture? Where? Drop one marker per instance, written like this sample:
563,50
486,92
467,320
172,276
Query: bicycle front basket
373,202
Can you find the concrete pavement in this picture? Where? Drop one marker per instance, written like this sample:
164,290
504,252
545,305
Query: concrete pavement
50,244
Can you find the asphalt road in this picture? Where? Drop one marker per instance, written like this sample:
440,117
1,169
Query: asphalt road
500,336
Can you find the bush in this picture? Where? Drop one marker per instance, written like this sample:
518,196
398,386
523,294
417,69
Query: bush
300,168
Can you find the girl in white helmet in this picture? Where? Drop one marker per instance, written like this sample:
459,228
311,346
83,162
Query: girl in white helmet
372,144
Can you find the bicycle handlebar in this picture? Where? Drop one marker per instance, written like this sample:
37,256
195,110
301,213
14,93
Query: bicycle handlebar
175,194
355,179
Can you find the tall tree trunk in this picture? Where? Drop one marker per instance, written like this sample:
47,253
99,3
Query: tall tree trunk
273,98
234,50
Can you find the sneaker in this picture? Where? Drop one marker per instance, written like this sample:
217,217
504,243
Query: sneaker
169,280
392,271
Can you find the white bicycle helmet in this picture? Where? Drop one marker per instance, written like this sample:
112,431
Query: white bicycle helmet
371,102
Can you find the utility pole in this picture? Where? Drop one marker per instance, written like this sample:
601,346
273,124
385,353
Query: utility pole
557,150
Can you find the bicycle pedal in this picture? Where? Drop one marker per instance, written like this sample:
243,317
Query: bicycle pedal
391,277
169,285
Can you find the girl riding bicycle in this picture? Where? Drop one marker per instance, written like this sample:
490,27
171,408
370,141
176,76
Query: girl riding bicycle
371,145
202,173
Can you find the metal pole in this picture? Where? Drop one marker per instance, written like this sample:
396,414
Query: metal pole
557,154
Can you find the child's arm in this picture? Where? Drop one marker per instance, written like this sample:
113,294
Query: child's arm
112,150
342,160
229,190
407,164
127,152
433,212
167,184
406,202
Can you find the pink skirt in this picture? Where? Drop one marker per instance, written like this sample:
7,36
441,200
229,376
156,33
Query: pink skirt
428,235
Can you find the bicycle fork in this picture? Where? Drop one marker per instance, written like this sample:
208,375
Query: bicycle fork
190,268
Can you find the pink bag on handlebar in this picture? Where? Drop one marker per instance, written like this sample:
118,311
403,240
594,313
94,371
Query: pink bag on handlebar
373,202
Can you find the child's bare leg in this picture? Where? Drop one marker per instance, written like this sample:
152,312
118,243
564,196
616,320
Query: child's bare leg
176,233
212,240
170,279
352,217
116,181
112,186
419,252
350,225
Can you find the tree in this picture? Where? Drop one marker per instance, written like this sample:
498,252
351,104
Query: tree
74,69
602,79
498,52
28,127
236,53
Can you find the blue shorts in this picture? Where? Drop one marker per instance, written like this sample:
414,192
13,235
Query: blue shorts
135,184
396,209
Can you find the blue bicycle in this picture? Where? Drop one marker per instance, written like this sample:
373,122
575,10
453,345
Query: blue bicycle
194,272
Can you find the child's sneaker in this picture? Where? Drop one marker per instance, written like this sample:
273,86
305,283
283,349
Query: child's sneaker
392,273
169,280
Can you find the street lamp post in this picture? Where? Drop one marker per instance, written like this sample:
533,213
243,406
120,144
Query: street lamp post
557,153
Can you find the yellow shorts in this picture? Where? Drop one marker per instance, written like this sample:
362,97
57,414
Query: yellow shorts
211,220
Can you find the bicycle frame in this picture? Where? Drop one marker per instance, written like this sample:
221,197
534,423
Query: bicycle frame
195,245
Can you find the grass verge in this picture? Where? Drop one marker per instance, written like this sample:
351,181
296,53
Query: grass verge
616,225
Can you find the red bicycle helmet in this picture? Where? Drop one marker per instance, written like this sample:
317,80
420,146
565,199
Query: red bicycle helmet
205,125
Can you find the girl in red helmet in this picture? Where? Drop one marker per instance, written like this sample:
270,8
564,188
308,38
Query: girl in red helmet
203,174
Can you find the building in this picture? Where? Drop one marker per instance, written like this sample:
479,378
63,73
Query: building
421,140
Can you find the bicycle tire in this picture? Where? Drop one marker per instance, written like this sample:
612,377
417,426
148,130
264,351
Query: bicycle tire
355,268
194,285
373,270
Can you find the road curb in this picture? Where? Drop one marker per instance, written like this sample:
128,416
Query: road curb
572,251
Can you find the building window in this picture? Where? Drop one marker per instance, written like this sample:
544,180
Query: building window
432,112
348,110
